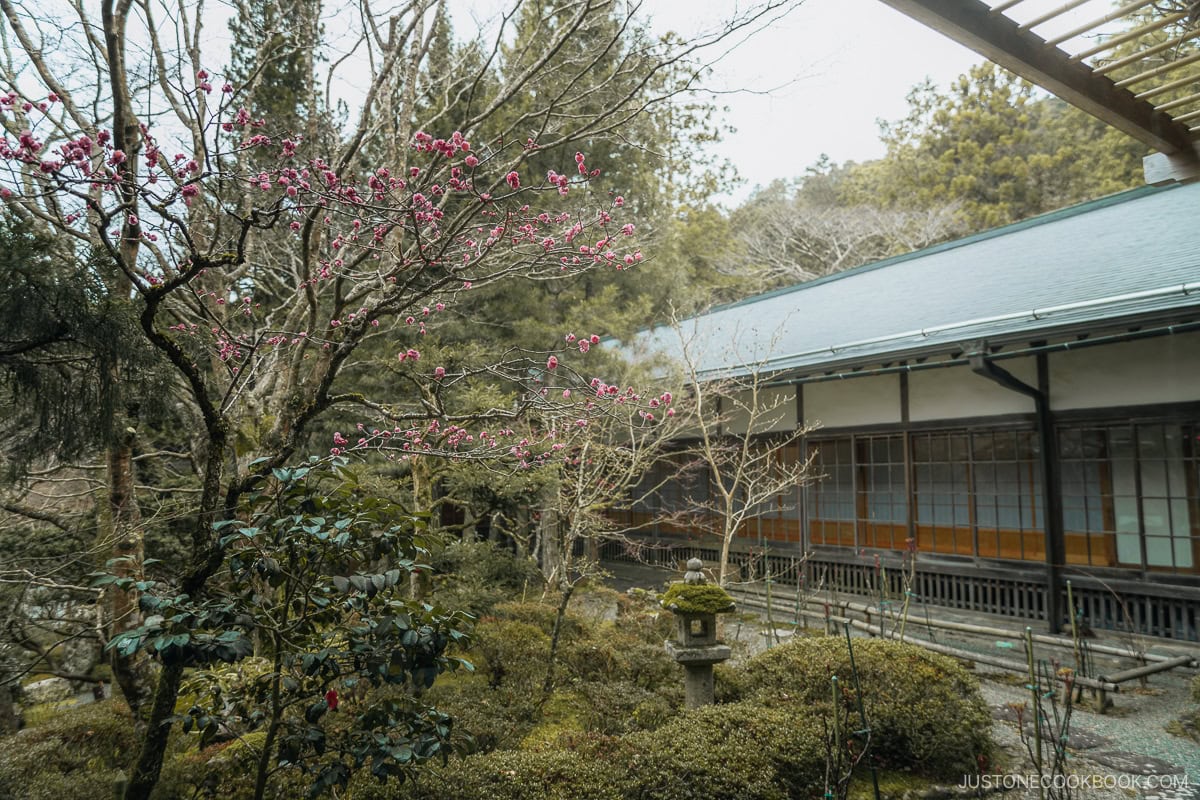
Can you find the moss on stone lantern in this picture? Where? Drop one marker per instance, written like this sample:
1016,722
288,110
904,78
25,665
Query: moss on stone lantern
695,605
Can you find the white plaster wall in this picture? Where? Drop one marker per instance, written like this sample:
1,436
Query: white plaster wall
1163,369
957,392
776,410
869,400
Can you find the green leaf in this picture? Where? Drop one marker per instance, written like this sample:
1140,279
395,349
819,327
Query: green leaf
315,711
127,645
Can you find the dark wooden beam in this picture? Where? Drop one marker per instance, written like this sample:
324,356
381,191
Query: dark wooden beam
999,39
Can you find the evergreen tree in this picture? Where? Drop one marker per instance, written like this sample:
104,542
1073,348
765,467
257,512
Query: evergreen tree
272,60
996,149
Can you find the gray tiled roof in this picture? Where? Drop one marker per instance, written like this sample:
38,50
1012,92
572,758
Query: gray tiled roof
1126,257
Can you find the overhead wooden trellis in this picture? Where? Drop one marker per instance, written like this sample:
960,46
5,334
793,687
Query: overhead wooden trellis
1135,65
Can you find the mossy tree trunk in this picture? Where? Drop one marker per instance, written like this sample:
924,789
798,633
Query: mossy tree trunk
568,589
133,674
10,719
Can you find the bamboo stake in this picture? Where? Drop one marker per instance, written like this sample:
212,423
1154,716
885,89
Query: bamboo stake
1037,708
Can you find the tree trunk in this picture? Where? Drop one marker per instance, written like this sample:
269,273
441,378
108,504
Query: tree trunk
154,743
422,485
263,772
526,533
726,541
551,553
548,686
133,674
206,558
10,718
10,721
470,527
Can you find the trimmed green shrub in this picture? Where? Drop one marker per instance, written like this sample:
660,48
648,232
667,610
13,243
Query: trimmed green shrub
645,619
80,752
475,576
558,721
510,653
541,616
740,750
620,653
613,708
513,775
224,771
729,684
924,710
595,603
492,718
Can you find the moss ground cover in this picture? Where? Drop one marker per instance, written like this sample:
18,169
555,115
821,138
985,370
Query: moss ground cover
612,728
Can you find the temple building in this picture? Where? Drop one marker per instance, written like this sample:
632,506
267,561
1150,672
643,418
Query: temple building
1020,407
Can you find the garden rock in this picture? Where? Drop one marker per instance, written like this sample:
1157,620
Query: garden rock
1076,739
1134,764
1004,713
48,690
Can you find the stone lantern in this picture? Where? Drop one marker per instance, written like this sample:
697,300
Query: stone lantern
695,605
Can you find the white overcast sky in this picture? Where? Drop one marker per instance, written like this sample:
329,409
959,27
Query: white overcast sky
817,80
813,82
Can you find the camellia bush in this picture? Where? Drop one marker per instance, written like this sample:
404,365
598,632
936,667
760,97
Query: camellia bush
318,578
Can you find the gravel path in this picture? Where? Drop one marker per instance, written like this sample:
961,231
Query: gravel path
1137,725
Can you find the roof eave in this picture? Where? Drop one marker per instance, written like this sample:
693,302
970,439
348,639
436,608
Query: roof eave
934,354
